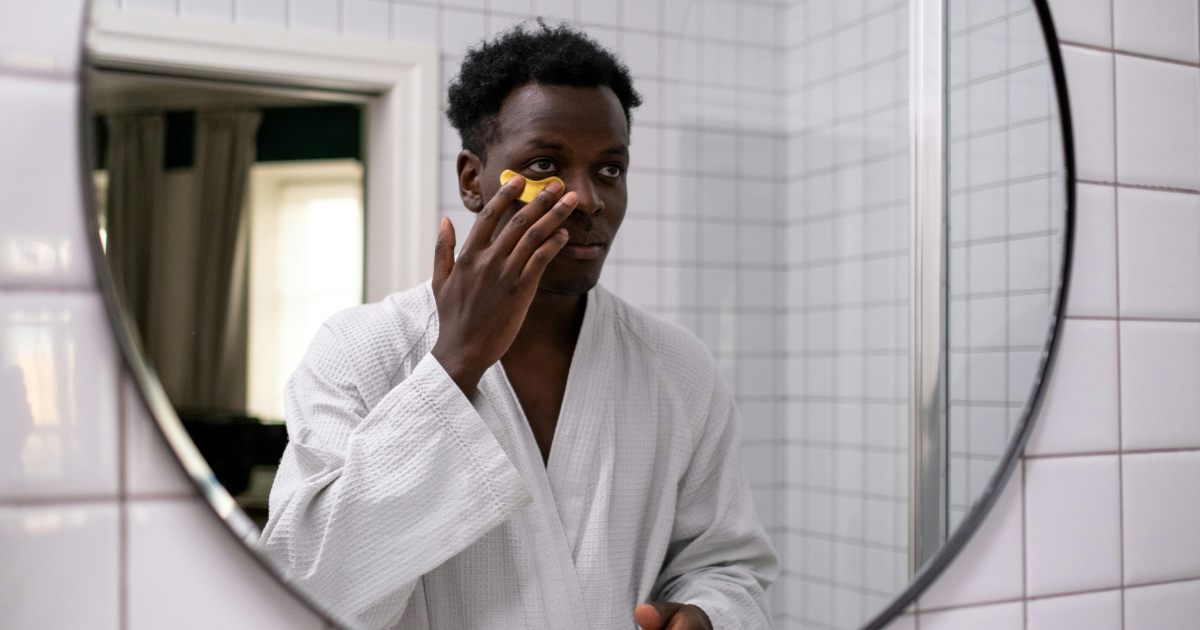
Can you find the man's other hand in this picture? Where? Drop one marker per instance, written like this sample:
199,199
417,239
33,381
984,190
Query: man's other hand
671,616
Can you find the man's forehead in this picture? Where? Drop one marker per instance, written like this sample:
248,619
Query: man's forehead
556,114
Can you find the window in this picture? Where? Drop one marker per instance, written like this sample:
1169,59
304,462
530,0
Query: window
306,263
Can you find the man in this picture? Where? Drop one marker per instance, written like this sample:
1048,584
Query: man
510,445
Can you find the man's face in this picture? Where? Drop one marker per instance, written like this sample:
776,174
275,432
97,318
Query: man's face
578,135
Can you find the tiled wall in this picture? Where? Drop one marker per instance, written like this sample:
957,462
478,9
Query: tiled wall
846,465
1007,190
1098,527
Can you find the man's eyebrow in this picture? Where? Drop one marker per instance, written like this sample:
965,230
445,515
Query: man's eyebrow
546,144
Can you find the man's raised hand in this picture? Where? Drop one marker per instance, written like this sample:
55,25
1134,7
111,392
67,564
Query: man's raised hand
671,616
482,297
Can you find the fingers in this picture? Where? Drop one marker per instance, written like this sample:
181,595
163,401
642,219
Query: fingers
542,230
443,254
520,223
532,274
647,617
670,616
485,223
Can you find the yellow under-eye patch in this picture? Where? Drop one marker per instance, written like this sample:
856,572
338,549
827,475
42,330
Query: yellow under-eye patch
532,186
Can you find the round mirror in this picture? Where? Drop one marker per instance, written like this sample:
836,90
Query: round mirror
785,392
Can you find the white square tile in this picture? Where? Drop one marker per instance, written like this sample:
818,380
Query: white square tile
58,378
1072,524
1093,289
169,7
461,30
42,240
760,24
1159,253
995,617
1162,516
1090,611
317,16
1083,21
989,568
561,10
216,10
367,19
41,37
150,466
262,12
1029,266
1160,366
179,554
1163,606
1090,81
604,12
497,23
59,566
905,621
1163,28
1079,414
1158,134
517,7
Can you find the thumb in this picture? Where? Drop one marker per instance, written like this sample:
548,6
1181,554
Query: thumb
655,615
443,254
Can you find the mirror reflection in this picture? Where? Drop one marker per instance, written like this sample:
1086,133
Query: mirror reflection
232,221
696,395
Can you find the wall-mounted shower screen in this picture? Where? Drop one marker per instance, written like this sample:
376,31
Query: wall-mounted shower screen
1006,173
845,484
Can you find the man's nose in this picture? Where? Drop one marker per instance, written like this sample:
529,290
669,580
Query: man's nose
589,202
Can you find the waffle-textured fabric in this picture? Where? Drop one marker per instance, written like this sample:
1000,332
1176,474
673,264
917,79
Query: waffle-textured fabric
402,504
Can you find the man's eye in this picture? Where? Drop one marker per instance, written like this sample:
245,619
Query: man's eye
542,166
611,170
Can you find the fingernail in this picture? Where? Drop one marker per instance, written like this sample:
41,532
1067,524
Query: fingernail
554,187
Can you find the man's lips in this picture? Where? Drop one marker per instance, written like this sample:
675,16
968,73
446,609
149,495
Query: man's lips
583,251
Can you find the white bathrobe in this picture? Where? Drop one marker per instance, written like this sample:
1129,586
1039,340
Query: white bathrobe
402,504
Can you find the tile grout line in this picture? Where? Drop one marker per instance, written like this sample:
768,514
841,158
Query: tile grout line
1119,185
1129,53
122,500
1117,298
1065,594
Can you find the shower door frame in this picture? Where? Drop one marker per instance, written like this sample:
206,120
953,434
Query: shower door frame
928,404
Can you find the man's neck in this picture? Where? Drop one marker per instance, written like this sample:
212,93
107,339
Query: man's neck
553,320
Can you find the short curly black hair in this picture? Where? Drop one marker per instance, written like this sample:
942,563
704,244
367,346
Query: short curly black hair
549,55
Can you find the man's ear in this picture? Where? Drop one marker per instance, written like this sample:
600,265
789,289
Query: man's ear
470,180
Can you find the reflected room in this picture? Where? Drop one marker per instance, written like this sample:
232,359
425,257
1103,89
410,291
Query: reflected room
231,216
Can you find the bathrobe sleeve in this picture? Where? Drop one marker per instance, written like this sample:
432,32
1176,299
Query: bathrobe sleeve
367,500
719,558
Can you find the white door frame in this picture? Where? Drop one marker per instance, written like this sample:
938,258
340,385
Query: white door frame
401,83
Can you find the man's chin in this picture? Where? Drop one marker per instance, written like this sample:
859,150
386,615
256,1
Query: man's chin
573,284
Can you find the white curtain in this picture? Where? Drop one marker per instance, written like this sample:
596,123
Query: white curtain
135,198
224,155
191,313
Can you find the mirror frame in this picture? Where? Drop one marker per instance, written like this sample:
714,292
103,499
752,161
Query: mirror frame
239,526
